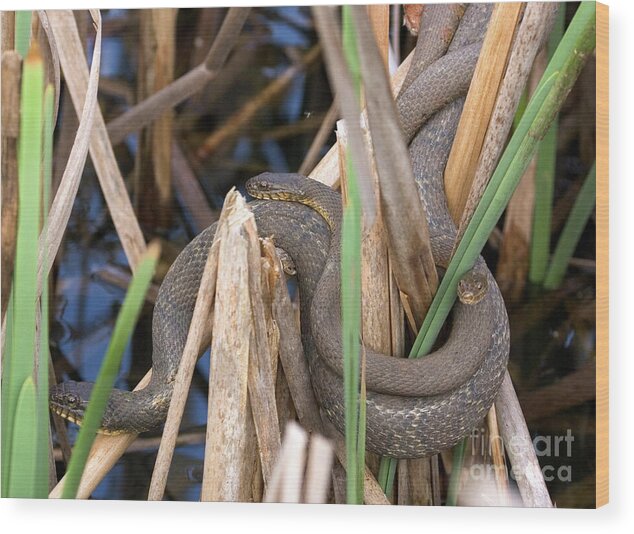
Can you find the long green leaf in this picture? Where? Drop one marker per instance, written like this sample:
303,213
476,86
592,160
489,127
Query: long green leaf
351,301
19,362
576,222
126,321
23,480
456,473
22,32
42,358
545,179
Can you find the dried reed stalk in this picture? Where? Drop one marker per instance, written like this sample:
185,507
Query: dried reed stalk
497,455
189,190
317,478
241,366
262,361
419,481
7,31
112,184
183,379
11,70
51,59
409,247
68,46
234,124
478,107
327,170
187,85
535,25
379,15
287,477
382,326
513,429
153,176
513,262
301,475
341,80
149,444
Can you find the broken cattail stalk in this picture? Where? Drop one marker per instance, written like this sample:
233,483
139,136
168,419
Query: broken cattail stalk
301,475
241,368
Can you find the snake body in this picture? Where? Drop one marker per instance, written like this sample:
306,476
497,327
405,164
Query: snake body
414,407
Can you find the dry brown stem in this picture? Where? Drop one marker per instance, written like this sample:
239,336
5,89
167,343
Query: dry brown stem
183,379
497,455
112,184
153,176
302,472
519,447
341,80
176,92
536,22
66,45
234,124
478,107
241,366
327,170
190,191
11,69
409,245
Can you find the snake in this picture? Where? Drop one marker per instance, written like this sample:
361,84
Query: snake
414,407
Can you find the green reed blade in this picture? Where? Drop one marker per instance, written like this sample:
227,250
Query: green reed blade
22,32
23,481
545,178
351,300
43,356
126,321
19,360
570,235
456,472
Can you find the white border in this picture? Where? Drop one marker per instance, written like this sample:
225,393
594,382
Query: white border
119,516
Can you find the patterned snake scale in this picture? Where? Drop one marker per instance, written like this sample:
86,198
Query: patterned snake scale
415,408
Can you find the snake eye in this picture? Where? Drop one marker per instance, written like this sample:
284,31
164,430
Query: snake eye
72,400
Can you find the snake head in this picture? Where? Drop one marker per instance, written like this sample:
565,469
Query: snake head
472,287
291,187
70,400
277,186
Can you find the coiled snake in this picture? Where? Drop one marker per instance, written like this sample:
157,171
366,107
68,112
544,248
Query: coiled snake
414,407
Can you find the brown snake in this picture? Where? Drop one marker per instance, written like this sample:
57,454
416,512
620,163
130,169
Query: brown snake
414,407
